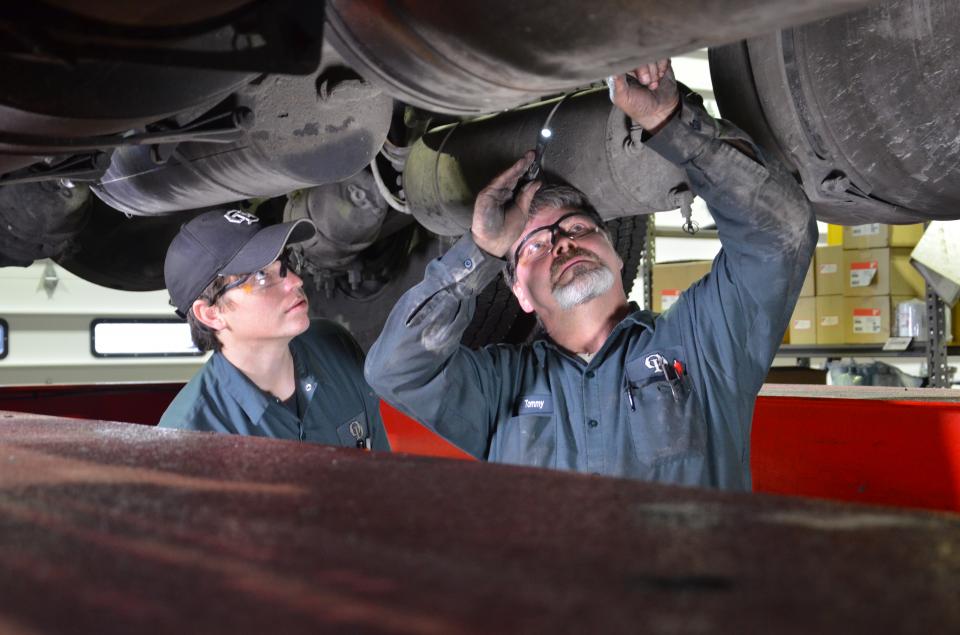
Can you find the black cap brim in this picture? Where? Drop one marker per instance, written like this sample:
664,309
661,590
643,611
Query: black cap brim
267,245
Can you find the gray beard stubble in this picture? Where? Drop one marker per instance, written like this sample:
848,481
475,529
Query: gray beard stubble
583,288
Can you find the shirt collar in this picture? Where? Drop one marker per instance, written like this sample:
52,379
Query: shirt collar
253,401
248,396
308,379
636,317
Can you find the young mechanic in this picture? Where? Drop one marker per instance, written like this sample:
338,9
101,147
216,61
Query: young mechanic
274,373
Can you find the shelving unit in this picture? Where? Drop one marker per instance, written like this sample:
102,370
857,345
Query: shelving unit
838,351
934,350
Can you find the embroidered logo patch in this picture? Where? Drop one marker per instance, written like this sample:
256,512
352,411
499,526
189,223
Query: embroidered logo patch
356,430
237,217
655,362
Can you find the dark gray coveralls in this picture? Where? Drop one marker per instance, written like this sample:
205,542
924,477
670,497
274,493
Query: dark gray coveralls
339,407
667,398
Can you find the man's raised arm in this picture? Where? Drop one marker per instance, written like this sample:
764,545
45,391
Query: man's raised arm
417,364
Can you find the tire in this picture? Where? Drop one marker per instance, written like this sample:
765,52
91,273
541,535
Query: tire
867,121
499,318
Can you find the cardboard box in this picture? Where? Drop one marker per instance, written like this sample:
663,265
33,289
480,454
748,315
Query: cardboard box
870,320
670,279
828,262
884,271
830,319
808,290
878,235
803,329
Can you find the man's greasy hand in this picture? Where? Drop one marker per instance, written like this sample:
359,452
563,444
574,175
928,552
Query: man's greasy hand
498,221
651,103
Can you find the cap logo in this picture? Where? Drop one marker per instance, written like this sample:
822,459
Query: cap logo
237,217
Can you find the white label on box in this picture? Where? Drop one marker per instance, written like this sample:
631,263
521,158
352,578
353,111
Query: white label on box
830,267
830,320
865,230
668,297
867,321
897,343
802,325
862,273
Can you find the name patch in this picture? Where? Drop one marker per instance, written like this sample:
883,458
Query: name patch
535,405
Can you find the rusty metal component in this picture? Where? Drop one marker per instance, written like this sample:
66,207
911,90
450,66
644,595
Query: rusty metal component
470,57
590,149
40,220
348,216
116,528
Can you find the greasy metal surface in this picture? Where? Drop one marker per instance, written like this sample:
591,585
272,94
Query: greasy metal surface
590,149
38,220
115,528
348,216
468,57
305,132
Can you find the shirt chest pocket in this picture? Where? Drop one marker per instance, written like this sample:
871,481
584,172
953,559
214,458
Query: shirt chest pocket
353,433
666,420
529,439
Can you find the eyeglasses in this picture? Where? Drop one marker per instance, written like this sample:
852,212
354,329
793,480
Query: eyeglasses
260,281
539,242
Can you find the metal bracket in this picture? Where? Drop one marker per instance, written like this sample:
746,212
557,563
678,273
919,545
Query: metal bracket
84,167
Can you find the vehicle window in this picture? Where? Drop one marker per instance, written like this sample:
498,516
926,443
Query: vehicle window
141,338
3,338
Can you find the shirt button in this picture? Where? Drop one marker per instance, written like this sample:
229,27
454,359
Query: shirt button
589,374
468,263
593,423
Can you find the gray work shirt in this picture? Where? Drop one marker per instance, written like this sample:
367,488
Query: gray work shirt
339,408
618,415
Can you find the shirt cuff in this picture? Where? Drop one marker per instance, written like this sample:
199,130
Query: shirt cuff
467,264
683,137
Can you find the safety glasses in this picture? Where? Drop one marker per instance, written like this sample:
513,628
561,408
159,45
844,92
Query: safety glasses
270,276
540,241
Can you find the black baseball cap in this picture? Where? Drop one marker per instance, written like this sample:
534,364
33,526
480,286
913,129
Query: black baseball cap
224,242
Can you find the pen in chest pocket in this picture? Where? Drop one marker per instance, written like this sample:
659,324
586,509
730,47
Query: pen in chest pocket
672,374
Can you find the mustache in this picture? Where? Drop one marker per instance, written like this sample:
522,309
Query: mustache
576,252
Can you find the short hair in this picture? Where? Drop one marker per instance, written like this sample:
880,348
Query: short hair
556,197
204,337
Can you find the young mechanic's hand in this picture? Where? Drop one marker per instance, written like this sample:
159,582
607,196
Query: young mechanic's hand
498,221
651,102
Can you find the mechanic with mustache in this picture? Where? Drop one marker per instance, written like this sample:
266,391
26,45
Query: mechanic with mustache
611,390
273,373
